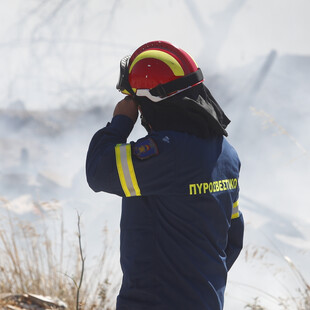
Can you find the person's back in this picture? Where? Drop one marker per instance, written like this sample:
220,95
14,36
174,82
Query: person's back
181,229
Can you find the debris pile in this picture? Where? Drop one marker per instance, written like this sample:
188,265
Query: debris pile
30,302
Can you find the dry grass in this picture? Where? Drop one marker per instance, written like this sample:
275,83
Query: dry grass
40,258
298,300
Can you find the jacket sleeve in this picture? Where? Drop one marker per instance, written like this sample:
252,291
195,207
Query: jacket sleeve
235,236
100,161
144,167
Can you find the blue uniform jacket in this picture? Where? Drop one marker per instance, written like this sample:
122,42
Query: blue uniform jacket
181,228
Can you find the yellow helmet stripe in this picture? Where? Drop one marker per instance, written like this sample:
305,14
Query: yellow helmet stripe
170,61
126,92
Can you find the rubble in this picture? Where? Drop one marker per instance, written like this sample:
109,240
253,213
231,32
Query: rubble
30,302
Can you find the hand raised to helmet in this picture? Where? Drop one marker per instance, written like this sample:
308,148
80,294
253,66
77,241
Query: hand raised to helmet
127,107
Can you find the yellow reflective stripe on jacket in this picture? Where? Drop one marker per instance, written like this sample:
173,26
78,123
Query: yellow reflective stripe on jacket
126,170
235,212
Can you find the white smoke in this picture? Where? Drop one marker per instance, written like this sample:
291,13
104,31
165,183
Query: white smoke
59,65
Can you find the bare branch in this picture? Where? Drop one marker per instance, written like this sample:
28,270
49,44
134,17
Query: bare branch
83,263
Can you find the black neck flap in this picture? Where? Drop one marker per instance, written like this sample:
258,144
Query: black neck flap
194,111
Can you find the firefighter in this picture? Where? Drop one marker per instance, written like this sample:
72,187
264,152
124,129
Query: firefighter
181,228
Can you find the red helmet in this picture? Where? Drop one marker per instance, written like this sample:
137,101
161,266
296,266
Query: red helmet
158,70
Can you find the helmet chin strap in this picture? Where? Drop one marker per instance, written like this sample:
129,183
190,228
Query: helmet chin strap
144,122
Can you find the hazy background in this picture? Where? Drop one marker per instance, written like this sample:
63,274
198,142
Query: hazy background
59,65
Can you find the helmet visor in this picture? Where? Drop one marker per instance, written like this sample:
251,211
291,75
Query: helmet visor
123,82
